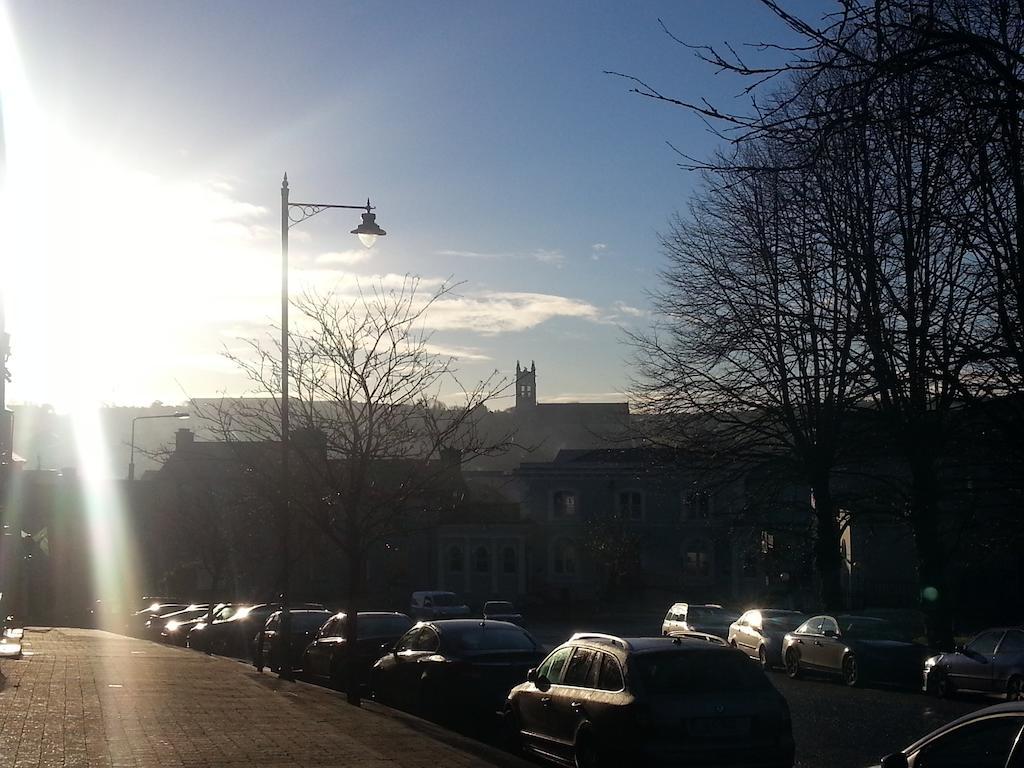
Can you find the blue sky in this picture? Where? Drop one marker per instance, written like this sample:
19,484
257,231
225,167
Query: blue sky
494,147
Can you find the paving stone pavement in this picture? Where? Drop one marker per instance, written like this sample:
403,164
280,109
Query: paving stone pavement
90,698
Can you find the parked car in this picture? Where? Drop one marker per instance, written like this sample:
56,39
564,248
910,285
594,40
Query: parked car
599,700
991,662
759,633
154,628
502,610
429,605
326,656
457,668
304,627
988,738
710,618
11,635
234,636
137,621
857,648
196,635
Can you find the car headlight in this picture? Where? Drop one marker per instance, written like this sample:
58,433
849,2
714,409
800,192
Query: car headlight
931,662
172,626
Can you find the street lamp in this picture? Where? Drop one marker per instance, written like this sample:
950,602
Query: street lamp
368,232
131,461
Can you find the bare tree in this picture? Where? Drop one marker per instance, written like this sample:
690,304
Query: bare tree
380,422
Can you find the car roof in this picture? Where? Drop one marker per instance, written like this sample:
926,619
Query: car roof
1006,708
458,624
343,614
625,646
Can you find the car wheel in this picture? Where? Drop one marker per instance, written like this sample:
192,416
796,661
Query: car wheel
943,687
511,736
850,671
792,664
585,751
1015,689
762,658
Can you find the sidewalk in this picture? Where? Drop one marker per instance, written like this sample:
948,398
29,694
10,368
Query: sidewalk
90,698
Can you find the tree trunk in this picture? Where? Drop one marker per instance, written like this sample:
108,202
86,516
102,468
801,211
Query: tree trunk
827,557
356,560
931,557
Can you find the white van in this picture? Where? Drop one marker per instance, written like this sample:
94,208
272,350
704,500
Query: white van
433,604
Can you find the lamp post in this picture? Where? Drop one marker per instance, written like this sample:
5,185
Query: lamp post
131,461
368,231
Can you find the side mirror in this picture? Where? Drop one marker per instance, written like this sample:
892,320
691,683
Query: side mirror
830,633
542,683
531,675
895,760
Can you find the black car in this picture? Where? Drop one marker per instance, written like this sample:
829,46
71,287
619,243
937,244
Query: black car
136,623
455,668
857,648
195,632
599,700
155,628
234,636
267,645
326,657
989,738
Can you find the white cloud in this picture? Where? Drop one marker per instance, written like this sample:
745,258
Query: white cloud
495,312
343,258
545,256
599,247
471,254
622,308
588,397
459,353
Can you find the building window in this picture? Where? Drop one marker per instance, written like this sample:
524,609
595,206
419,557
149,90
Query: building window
564,504
631,505
697,560
482,560
697,505
509,563
455,561
565,558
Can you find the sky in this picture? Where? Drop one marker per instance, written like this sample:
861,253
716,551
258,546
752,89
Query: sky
144,145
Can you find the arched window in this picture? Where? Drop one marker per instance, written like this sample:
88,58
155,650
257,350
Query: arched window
697,559
455,560
509,561
482,560
565,563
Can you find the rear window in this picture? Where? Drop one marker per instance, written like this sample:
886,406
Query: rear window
383,626
706,613
698,672
308,622
490,639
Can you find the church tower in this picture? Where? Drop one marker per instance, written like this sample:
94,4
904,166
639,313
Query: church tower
526,386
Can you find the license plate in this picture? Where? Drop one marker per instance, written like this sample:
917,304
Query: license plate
719,727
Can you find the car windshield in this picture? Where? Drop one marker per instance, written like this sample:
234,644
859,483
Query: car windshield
865,628
686,672
486,638
710,613
781,621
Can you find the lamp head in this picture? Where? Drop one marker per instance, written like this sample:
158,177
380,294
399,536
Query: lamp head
368,231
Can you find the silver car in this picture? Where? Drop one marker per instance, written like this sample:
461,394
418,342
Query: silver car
759,633
993,662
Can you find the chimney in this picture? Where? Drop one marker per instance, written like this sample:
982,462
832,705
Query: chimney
183,439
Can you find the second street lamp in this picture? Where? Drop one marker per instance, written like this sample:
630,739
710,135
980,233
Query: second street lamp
293,213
